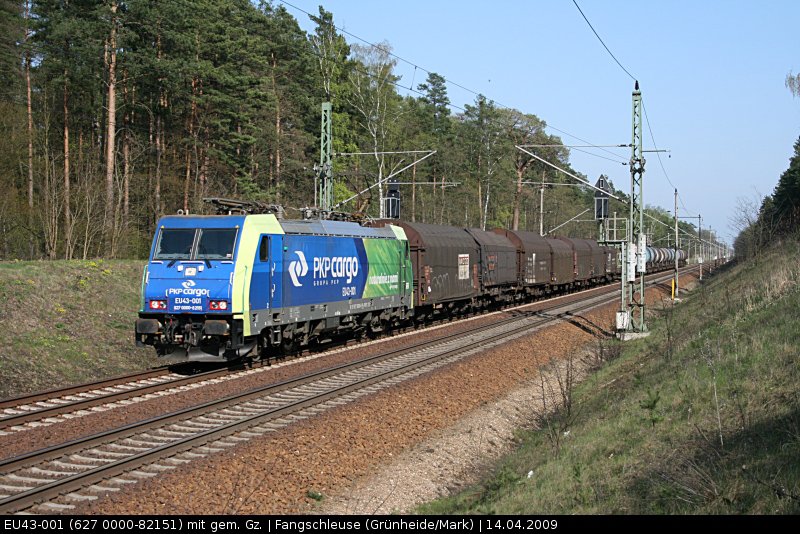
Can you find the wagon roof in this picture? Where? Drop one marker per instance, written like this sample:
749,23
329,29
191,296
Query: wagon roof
336,228
423,235
525,241
491,239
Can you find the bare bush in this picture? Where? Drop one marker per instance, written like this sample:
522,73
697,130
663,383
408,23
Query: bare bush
556,384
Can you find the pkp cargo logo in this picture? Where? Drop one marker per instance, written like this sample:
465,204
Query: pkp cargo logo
188,289
298,268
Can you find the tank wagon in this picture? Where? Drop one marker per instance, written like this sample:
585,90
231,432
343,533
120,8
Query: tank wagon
663,258
217,288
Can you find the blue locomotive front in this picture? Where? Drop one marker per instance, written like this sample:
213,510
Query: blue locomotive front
187,289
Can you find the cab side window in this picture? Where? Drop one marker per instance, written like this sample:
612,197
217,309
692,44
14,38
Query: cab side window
263,251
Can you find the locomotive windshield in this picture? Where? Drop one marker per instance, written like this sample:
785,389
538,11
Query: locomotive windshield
216,243
175,244
185,244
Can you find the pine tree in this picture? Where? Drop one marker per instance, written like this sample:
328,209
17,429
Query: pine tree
11,33
786,198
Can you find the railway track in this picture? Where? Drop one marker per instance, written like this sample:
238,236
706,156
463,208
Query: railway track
62,475
54,406
58,405
49,407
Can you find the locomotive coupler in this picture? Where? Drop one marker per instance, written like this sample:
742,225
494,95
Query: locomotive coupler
169,330
192,334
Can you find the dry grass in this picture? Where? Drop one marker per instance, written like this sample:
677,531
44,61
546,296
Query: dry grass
701,417
66,322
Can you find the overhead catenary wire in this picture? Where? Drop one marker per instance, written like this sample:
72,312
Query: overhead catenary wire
603,43
499,104
579,147
655,145
448,81
695,237
601,157
680,199
647,118
649,127
450,104
658,154
588,184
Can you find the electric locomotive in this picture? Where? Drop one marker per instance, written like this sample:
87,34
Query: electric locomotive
220,287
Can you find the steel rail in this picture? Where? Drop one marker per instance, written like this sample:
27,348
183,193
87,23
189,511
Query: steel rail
50,490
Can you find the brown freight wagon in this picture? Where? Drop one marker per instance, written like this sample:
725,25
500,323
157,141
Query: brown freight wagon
497,272
534,259
612,266
445,261
588,257
563,268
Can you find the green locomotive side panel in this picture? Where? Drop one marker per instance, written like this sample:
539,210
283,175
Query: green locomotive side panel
389,268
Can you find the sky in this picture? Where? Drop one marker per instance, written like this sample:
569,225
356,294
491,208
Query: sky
712,75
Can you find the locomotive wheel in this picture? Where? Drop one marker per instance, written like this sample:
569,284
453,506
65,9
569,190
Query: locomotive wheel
376,327
289,346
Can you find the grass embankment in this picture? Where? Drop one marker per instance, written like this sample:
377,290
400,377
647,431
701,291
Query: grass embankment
66,322
701,417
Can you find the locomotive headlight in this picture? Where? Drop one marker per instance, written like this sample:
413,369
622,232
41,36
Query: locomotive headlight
218,305
158,304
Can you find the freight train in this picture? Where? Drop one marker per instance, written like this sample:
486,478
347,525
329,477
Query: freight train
221,287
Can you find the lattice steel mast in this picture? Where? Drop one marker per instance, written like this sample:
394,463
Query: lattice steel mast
325,168
637,242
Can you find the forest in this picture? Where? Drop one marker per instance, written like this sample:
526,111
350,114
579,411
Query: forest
763,221
115,113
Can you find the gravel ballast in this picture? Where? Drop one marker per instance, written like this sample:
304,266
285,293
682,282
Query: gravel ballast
387,452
